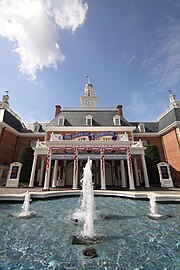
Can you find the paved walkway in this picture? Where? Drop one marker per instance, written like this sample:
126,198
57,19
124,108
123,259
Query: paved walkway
161,194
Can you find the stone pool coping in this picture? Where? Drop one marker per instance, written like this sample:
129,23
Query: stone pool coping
161,195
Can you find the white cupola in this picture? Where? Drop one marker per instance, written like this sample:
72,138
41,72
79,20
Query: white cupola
89,99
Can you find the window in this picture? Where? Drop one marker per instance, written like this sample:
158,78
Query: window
32,143
116,120
61,120
145,143
36,127
141,127
89,120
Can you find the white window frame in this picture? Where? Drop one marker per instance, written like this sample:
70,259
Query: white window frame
36,127
89,119
141,127
116,120
61,118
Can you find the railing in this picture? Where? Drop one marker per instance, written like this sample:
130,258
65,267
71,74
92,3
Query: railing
41,143
89,109
137,144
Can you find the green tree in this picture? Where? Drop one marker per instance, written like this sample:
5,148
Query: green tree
26,158
152,159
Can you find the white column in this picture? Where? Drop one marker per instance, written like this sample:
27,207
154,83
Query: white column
48,170
33,170
123,176
75,172
42,171
54,182
130,171
102,165
136,171
146,180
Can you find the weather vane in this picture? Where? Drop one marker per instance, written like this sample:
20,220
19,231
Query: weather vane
88,79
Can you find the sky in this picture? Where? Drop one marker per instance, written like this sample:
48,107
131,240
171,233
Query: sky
129,48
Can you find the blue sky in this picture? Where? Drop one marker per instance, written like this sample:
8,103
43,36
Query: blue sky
130,49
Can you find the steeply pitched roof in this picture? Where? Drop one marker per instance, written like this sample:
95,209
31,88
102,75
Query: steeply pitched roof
169,118
78,118
149,126
15,123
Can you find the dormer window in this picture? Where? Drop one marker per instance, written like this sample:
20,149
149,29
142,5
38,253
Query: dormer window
141,127
89,120
61,120
36,127
116,120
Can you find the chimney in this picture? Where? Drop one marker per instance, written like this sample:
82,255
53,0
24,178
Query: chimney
58,110
119,110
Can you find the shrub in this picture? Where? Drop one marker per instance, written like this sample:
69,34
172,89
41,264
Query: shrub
152,159
26,158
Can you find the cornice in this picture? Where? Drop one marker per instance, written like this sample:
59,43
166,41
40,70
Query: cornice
169,128
145,134
89,128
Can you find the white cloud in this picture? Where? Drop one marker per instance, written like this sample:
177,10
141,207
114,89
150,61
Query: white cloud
32,26
68,14
163,64
128,59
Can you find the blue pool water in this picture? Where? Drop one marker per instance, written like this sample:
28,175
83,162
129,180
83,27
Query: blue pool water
132,240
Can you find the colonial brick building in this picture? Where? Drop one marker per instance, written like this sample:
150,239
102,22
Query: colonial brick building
115,145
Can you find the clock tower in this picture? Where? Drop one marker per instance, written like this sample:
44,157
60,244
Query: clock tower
89,99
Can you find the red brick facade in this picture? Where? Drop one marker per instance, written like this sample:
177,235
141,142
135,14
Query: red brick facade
172,153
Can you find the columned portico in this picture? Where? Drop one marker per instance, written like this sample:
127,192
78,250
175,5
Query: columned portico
70,154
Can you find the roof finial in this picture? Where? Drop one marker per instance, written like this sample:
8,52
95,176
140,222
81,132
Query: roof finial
88,79
170,92
6,97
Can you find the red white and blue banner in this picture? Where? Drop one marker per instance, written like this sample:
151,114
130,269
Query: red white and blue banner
91,136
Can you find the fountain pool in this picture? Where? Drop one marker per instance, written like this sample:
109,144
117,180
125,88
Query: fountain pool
132,240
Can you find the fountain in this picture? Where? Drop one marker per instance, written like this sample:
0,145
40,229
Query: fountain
153,208
86,212
132,240
25,213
